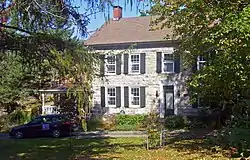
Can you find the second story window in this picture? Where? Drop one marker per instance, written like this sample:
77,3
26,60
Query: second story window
110,64
200,62
167,63
135,63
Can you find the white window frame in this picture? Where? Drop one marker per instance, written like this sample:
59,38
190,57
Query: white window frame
107,64
167,61
130,63
107,97
131,97
199,62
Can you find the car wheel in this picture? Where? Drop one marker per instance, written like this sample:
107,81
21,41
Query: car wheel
56,133
75,127
18,135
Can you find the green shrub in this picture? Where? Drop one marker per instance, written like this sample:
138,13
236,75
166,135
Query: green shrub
129,122
129,119
175,122
4,123
34,112
19,117
94,124
126,127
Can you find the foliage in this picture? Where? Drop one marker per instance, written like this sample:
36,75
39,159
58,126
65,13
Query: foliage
19,117
175,122
108,122
129,119
217,30
117,122
94,124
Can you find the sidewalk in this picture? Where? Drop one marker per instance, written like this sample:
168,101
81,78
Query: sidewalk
103,134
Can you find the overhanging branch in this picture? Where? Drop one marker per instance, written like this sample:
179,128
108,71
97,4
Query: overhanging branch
15,28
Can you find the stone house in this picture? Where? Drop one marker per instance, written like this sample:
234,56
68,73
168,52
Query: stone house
141,72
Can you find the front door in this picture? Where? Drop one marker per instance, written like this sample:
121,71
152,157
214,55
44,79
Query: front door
169,100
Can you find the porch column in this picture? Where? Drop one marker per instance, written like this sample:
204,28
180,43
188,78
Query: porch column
43,99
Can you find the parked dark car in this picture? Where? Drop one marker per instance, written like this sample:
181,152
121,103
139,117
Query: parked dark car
48,125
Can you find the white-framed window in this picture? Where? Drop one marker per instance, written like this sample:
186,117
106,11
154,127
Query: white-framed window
200,62
110,65
134,63
135,96
111,96
167,63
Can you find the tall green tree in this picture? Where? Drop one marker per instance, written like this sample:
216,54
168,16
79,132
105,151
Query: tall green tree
217,30
36,37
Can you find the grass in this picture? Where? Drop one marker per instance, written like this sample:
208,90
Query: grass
104,149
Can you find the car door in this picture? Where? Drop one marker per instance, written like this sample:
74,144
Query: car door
34,127
46,126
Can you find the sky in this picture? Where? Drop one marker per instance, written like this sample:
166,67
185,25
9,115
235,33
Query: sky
98,19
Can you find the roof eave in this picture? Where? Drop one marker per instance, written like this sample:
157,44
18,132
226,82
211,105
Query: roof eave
133,45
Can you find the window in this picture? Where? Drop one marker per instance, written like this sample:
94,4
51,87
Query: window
111,94
168,63
37,120
110,64
200,62
135,63
135,96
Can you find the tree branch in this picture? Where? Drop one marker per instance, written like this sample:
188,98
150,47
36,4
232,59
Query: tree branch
15,28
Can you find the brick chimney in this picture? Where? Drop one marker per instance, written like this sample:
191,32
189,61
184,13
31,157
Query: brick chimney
117,13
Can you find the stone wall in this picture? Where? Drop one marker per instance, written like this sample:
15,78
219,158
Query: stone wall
153,82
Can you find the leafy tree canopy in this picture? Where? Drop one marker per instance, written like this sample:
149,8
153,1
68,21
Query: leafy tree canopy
217,30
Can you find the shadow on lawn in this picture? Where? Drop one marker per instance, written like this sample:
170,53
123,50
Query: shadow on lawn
63,149
194,141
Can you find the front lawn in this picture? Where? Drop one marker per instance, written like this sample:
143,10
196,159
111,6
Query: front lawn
104,149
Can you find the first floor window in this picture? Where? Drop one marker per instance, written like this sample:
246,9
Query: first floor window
168,63
135,63
111,96
110,64
135,96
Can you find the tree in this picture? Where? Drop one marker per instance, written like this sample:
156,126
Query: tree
36,36
219,31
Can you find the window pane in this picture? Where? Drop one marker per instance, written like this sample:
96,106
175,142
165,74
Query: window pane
202,58
135,68
111,101
168,67
111,59
111,91
135,58
110,68
135,100
135,91
168,57
201,65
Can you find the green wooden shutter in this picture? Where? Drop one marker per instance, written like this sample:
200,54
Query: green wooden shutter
158,62
177,64
118,96
126,97
142,97
102,96
125,63
118,64
142,63
102,64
